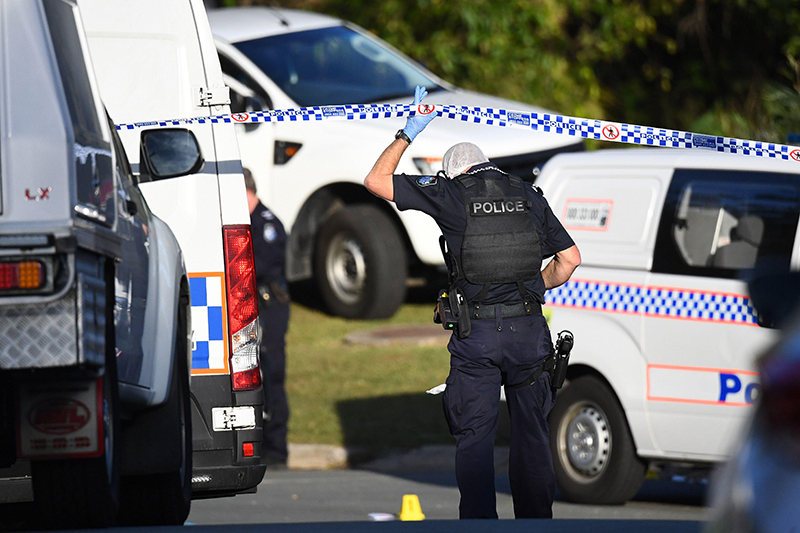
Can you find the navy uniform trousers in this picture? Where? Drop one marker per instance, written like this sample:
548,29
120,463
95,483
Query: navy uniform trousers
274,319
501,351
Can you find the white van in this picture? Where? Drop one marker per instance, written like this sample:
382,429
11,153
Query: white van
360,250
663,370
155,60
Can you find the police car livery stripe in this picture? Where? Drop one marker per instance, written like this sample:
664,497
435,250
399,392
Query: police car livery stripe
544,122
209,323
662,302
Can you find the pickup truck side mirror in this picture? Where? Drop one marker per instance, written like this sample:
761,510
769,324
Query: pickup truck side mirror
169,153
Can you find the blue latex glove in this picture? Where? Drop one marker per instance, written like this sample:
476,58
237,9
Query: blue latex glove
417,123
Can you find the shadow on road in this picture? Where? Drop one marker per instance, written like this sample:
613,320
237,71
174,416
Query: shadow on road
375,426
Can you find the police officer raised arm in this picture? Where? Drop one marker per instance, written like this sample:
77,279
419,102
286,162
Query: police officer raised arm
496,230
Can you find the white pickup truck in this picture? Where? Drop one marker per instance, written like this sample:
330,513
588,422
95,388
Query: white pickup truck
94,298
360,250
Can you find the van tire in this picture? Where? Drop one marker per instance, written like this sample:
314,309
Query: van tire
594,456
165,498
360,263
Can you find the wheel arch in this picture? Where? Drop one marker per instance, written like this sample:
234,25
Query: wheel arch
318,207
610,346
581,369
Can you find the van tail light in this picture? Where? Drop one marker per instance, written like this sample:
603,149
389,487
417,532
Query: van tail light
240,278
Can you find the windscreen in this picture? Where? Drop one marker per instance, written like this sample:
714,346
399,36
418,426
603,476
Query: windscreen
335,65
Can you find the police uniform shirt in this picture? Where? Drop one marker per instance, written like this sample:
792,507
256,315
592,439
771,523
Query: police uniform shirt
440,198
269,245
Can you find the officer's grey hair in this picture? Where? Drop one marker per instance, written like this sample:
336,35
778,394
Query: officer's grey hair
460,157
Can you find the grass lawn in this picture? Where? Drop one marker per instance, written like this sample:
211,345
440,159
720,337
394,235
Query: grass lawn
363,396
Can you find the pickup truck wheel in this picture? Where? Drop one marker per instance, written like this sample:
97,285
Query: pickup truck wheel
165,498
81,493
360,263
593,452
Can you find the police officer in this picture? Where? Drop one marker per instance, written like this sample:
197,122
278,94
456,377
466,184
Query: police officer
497,229
269,255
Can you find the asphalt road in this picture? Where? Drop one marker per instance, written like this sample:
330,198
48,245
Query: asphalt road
351,500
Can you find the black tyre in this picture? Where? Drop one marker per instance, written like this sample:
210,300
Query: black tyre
165,498
593,452
360,263
81,493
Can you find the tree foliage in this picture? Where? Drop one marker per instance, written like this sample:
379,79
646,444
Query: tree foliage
716,66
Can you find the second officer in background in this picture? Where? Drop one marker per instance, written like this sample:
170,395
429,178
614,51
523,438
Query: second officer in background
269,255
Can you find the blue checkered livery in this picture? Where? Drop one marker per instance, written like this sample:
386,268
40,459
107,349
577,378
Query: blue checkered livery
654,301
545,122
208,327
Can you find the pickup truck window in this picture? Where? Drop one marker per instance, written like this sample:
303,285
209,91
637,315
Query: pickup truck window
92,153
716,223
335,65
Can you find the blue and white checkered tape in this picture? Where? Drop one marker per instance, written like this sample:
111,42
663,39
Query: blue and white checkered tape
660,302
543,122
208,325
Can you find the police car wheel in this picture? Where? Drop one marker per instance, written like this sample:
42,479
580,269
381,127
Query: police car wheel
360,263
593,452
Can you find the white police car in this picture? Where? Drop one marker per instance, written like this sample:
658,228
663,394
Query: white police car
666,338
360,249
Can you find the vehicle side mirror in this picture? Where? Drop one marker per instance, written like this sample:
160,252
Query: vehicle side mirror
169,153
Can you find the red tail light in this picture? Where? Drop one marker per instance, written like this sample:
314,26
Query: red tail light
16,275
240,278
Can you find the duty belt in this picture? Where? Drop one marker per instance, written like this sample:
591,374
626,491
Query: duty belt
506,310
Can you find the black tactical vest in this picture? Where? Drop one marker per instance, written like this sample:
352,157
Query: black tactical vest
501,243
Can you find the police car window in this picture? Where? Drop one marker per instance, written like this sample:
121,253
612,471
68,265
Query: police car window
335,65
716,223
92,153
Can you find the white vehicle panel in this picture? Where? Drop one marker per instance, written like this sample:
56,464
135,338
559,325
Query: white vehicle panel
694,404
617,197
195,222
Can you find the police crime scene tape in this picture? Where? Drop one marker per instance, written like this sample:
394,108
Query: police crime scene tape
584,128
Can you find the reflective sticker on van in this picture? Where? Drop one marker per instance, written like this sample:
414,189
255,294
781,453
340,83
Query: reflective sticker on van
706,386
660,302
209,323
582,214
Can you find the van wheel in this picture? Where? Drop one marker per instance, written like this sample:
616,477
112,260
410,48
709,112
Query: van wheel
81,493
593,452
165,498
360,263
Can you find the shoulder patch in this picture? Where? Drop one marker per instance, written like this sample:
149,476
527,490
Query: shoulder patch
270,233
425,181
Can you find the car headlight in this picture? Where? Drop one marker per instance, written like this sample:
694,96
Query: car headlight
428,166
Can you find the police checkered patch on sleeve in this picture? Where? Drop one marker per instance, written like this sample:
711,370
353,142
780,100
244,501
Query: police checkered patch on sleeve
425,181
